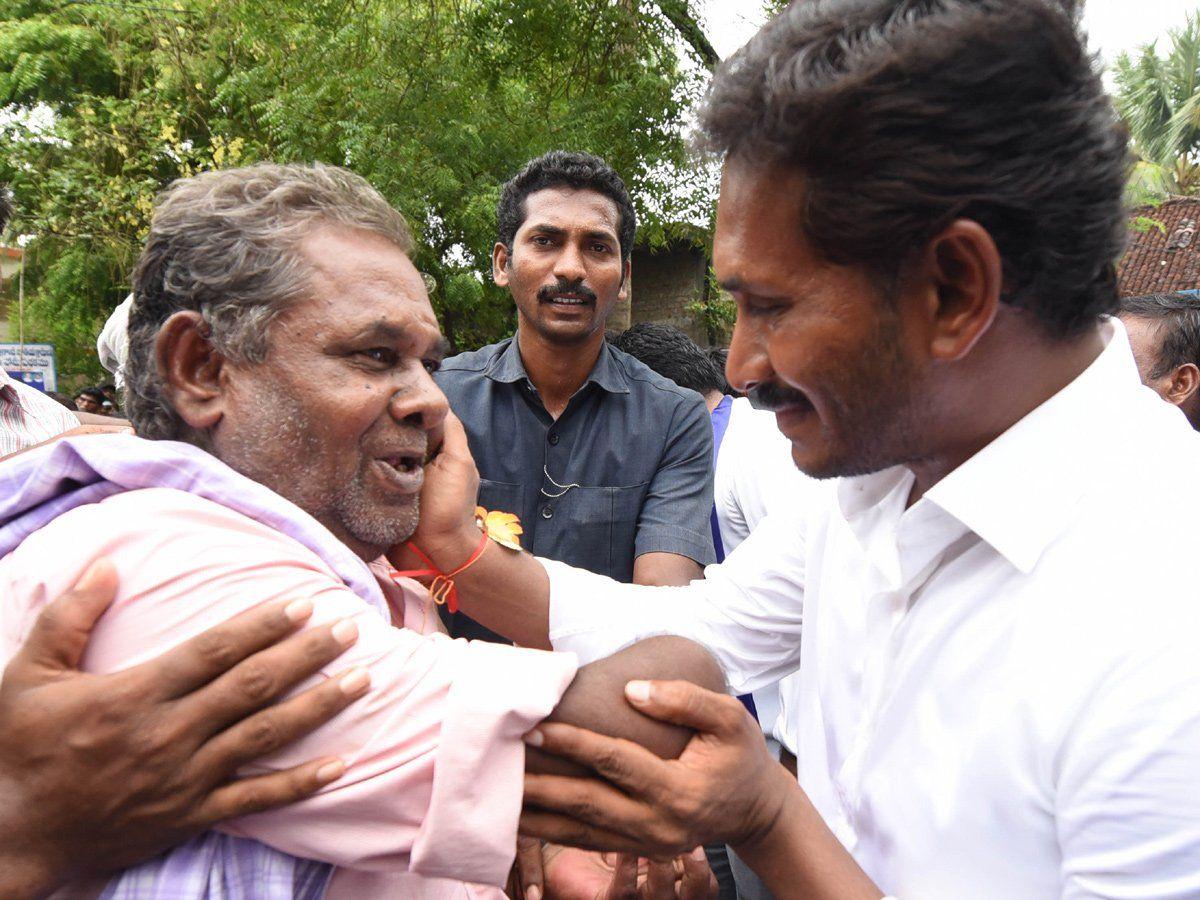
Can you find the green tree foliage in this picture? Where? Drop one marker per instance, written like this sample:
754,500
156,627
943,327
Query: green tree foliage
437,103
1159,99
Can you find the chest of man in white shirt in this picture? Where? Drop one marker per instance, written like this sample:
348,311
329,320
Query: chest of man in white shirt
998,683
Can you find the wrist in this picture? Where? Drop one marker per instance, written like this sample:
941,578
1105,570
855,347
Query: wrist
779,788
452,549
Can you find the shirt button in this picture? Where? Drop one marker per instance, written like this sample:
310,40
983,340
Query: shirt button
552,438
547,512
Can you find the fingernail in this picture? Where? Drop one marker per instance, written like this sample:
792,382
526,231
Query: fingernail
345,632
91,574
698,854
638,691
298,610
533,892
355,682
331,771
535,738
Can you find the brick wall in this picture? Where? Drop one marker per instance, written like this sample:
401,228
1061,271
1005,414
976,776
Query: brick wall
664,283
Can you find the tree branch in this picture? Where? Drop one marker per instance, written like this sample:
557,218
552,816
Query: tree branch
676,12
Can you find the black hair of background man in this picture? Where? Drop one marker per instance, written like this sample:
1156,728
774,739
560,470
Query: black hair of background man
1164,331
672,354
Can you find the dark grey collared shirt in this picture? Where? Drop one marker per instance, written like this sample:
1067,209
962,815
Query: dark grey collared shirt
625,470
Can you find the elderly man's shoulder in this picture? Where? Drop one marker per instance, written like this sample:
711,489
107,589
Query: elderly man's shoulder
169,547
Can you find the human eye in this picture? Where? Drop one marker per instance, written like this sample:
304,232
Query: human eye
600,247
431,365
381,356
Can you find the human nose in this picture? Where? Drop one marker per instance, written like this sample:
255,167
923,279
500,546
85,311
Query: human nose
748,363
420,402
568,266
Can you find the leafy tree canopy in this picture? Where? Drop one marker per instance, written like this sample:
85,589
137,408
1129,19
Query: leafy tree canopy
437,103
1158,96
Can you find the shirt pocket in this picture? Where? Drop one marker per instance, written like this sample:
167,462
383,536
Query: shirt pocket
500,496
606,518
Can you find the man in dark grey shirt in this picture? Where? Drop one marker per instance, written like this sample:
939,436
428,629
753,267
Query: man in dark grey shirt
608,464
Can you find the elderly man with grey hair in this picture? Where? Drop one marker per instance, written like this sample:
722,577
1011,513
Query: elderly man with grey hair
281,345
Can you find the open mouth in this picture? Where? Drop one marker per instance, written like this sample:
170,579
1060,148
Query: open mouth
401,473
404,464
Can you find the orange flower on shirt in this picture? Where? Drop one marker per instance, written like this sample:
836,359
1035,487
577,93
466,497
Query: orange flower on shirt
503,528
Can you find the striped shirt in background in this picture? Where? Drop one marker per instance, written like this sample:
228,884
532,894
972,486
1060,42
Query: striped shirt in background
28,417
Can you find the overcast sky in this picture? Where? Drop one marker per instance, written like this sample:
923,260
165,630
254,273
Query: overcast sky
1112,25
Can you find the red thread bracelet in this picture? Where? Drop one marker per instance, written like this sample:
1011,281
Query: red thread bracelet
442,588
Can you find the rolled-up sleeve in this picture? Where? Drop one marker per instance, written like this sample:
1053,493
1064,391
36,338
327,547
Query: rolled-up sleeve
678,503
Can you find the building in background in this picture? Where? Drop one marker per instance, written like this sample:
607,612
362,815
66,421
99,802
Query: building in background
1163,254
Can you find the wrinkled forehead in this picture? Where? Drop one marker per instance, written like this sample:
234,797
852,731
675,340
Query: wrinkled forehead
358,279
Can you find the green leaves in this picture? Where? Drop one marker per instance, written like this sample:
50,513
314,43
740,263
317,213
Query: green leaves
436,103
1159,98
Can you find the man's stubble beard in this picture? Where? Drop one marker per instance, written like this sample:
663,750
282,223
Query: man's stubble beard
285,427
876,408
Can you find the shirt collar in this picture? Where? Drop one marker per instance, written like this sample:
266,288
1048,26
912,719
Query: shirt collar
608,373
1020,491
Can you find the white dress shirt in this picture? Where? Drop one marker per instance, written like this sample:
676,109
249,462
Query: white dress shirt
755,476
999,687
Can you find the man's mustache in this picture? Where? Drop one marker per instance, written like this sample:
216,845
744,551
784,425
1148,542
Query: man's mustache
771,397
545,292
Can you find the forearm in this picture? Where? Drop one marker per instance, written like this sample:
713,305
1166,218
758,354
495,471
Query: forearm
665,569
505,591
799,857
596,698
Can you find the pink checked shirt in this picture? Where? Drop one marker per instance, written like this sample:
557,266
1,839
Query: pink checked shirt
433,791
28,417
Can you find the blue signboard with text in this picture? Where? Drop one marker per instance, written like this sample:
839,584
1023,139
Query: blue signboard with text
33,364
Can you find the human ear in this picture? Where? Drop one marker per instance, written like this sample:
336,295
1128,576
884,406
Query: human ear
500,261
1184,382
190,369
626,283
962,267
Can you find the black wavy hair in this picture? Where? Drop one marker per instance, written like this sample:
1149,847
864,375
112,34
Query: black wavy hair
672,354
904,115
560,168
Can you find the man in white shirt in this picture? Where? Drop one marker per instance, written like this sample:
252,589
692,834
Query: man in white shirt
998,695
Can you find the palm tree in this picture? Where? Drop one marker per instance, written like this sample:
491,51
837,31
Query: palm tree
1159,98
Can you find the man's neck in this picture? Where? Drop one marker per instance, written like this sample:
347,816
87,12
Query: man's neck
1003,388
557,370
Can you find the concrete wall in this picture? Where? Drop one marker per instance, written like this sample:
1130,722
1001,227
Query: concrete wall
664,283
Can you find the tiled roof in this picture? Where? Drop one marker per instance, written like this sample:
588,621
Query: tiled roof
1166,258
